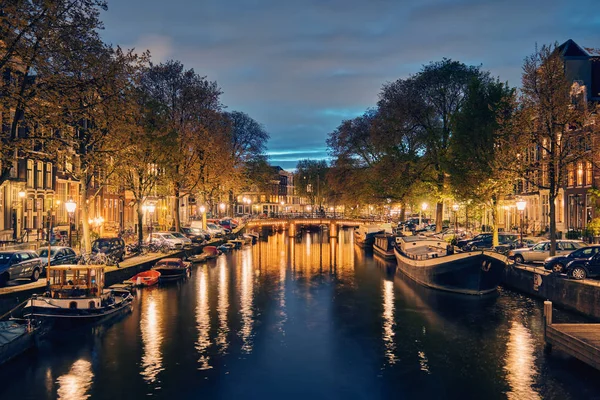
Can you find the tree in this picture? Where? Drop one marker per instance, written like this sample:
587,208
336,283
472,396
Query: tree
482,163
553,120
182,106
37,39
311,180
437,93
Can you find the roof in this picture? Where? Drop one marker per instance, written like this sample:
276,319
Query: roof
572,49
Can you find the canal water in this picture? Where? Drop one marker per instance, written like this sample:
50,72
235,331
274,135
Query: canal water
311,318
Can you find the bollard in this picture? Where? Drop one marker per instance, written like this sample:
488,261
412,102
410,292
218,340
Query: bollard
548,312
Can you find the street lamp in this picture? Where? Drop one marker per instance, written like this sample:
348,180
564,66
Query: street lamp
70,206
203,212
222,207
521,204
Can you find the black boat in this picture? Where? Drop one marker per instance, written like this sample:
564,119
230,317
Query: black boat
384,246
76,295
434,264
16,337
172,269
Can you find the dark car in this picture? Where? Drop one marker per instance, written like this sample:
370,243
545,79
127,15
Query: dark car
486,242
584,268
228,223
19,264
59,255
558,263
113,247
462,243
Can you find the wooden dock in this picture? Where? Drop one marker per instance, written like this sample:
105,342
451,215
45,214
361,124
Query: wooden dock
581,341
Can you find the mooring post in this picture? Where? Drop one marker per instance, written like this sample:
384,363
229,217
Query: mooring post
333,230
548,312
292,230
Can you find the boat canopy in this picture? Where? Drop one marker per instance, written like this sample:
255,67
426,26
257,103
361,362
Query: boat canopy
75,280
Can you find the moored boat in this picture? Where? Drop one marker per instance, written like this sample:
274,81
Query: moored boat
76,295
16,337
434,264
145,278
364,235
384,246
172,269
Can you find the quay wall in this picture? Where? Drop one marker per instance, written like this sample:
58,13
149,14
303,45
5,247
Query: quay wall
579,296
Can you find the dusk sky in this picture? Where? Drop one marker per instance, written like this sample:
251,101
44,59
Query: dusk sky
301,67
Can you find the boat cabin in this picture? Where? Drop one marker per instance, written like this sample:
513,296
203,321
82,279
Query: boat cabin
75,281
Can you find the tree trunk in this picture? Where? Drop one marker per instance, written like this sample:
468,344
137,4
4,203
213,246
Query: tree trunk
551,198
176,209
87,244
439,214
495,212
140,217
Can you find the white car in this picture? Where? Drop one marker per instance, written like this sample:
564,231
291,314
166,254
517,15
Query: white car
215,230
541,251
165,237
186,241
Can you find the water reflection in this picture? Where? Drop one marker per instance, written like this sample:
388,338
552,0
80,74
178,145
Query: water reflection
223,306
389,321
246,310
520,363
203,319
76,384
152,337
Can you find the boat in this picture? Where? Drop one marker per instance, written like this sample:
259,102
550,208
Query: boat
16,337
364,235
384,246
146,278
76,295
237,243
433,263
225,247
172,269
208,253
253,235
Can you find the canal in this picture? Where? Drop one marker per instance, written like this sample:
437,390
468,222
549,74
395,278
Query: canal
311,318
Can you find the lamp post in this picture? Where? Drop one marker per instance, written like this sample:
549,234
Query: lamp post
222,208
521,204
151,208
70,206
203,212
423,208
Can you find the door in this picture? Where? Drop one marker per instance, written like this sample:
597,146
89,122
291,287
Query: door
537,253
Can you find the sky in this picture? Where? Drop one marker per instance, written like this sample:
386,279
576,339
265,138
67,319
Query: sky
302,67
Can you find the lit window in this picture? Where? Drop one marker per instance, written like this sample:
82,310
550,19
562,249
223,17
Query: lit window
580,174
571,175
588,173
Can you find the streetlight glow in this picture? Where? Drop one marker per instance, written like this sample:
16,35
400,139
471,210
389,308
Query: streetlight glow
202,209
521,204
455,207
424,206
70,206
22,194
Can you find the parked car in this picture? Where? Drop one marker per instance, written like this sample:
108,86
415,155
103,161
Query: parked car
228,223
541,251
111,246
584,268
486,242
18,264
527,242
165,237
461,243
59,255
215,230
186,241
558,263
192,232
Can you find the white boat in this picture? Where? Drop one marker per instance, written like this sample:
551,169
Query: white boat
76,295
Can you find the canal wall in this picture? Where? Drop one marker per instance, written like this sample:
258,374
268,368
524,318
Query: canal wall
579,296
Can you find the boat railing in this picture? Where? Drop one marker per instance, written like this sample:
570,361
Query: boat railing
432,252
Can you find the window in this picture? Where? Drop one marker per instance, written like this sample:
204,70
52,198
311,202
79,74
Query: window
40,175
30,173
571,175
579,174
48,175
588,173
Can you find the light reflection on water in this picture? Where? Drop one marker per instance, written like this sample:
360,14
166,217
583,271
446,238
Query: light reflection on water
520,365
246,308
389,321
75,384
203,319
152,336
223,306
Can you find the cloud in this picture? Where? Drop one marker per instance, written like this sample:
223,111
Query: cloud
300,68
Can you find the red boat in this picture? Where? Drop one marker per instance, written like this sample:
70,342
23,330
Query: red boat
146,278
